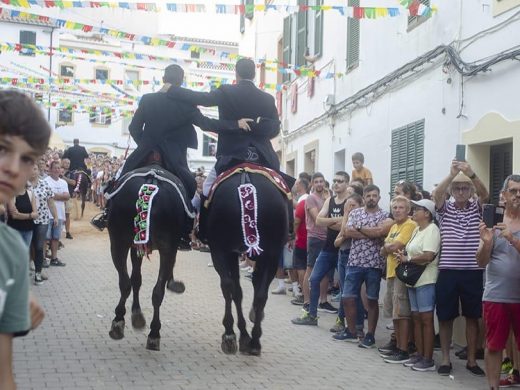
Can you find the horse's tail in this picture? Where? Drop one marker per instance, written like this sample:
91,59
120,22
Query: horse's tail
248,220
142,219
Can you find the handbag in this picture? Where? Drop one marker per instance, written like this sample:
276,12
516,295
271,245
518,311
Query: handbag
409,273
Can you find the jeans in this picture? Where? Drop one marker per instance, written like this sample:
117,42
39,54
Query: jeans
324,263
26,236
39,236
342,264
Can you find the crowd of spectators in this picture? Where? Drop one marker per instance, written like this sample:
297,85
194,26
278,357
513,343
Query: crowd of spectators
345,235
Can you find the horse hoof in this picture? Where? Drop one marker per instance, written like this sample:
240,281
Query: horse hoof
229,344
244,344
117,332
176,286
252,315
153,344
255,351
138,321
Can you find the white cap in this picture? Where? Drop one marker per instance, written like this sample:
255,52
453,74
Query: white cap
427,204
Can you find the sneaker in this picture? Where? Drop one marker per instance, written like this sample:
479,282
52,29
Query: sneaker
327,307
507,366
390,326
388,347
413,360
38,279
345,336
46,263
476,370
445,369
368,342
279,291
305,319
339,326
99,222
510,381
399,357
305,307
424,365
68,236
336,298
298,301
57,263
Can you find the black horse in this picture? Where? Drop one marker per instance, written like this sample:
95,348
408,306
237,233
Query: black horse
81,187
226,241
167,217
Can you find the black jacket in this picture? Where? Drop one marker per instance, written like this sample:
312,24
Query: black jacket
165,125
242,100
77,155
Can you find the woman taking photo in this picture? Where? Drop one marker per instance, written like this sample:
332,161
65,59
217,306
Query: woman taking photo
423,249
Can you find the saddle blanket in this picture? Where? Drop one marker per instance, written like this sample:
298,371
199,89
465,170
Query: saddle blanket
271,174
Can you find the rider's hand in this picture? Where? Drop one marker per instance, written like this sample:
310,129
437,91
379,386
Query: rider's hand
244,124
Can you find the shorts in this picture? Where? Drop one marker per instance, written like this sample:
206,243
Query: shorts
400,301
422,299
500,318
455,285
314,247
54,232
299,258
354,278
388,300
68,206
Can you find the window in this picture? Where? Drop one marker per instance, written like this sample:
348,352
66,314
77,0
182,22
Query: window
301,35
27,38
414,21
132,80
286,46
65,117
101,74
100,116
407,153
318,29
209,146
67,70
353,32
501,166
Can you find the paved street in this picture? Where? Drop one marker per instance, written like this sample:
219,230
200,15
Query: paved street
72,349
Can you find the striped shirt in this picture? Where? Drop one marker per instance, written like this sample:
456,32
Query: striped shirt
460,236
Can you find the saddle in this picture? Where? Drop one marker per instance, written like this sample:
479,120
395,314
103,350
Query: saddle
248,167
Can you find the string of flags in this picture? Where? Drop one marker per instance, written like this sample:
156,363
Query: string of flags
228,9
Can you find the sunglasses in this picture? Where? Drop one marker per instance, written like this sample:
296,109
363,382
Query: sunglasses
513,191
338,181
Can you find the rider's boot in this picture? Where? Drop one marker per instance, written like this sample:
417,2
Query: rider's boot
202,232
100,220
185,242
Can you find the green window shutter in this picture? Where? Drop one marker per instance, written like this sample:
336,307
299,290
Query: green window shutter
353,35
407,157
301,35
250,9
242,19
286,44
318,30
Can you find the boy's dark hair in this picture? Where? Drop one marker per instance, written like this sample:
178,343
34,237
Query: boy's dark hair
21,117
245,68
358,156
305,175
53,163
317,175
345,175
370,188
357,189
174,75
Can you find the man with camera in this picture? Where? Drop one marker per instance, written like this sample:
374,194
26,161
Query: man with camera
499,253
460,277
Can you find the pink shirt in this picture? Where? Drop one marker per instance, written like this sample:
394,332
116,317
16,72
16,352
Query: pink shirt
319,232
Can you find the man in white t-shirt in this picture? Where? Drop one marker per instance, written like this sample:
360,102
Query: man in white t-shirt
61,195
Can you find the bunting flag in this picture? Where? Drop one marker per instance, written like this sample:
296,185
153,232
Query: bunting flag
227,9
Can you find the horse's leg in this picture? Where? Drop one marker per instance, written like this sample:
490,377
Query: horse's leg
221,261
265,270
138,321
83,197
237,299
119,254
167,256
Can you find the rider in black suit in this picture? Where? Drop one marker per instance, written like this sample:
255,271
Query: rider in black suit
77,155
165,126
241,100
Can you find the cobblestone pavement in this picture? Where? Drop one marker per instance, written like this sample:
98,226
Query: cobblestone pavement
72,349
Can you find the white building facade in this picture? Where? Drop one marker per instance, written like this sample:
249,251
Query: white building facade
402,90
